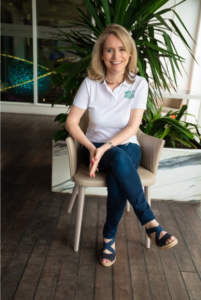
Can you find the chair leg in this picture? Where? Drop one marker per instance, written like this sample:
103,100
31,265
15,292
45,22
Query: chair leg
72,198
147,191
80,207
128,206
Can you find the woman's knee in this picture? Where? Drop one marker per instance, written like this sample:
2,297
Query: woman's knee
121,160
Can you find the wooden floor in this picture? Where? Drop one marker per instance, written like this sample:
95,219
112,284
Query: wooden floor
38,261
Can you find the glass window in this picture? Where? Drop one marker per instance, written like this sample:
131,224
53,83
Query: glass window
16,51
50,14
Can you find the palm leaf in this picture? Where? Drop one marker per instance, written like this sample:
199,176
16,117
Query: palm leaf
107,11
94,14
166,131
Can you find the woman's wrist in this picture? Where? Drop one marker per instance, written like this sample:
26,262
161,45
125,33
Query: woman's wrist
91,147
106,146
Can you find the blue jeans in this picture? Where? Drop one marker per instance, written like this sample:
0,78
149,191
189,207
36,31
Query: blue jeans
123,182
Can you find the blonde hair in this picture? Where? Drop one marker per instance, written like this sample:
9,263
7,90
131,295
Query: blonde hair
97,68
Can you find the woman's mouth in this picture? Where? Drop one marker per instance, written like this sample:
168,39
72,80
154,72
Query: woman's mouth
116,62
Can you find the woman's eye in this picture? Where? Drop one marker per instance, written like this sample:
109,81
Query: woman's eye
110,50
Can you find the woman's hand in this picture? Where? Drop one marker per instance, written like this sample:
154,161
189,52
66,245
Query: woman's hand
95,157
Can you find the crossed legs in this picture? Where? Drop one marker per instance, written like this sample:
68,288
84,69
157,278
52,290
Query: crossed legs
123,183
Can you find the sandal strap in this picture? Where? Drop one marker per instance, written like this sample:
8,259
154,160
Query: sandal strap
110,256
162,241
108,246
157,230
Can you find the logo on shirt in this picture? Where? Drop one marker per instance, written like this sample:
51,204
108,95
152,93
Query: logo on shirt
129,94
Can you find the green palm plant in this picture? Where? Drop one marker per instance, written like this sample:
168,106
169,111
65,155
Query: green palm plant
145,21
175,132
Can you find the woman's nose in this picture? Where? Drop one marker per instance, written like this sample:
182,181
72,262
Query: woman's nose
115,54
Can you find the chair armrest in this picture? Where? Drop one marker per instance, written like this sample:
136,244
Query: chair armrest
72,154
151,151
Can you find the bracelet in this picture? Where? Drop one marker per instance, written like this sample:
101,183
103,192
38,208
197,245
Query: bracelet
112,146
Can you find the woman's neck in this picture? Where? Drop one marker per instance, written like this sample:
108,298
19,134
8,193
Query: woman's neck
114,78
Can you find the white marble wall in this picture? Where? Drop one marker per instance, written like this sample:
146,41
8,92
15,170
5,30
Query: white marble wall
178,176
61,181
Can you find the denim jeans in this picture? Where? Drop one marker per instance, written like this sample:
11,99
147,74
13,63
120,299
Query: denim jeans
123,183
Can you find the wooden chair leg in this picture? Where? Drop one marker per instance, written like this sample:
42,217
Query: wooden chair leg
80,207
147,191
72,199
128,206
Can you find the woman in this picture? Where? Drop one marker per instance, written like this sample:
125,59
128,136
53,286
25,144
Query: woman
116,99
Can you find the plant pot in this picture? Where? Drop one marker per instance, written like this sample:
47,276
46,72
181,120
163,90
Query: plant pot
178,176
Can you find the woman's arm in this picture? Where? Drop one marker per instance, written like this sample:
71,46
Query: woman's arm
73,128
130,130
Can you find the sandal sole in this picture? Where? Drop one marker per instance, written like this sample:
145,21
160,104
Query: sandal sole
107,264
166,247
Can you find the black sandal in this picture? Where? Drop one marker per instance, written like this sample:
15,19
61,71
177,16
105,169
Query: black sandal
111,256
161,243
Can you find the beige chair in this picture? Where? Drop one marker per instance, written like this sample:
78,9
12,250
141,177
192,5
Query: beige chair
151,149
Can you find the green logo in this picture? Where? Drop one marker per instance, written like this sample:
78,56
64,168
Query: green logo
129,94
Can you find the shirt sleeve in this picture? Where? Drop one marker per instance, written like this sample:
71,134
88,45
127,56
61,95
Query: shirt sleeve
81,99
141,94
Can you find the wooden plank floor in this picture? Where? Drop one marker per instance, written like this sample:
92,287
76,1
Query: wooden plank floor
37,257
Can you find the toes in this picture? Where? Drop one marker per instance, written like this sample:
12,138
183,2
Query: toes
105,260
171,239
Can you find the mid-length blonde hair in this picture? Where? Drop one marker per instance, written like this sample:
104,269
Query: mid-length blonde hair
97,68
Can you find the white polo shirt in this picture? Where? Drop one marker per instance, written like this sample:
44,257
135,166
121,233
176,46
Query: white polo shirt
109,112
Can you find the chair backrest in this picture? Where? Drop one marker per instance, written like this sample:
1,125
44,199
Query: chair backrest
83,125
151,150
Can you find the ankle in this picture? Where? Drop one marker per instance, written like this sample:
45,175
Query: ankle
152,223
106,240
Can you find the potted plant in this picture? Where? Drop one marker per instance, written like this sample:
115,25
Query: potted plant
143,19
179,169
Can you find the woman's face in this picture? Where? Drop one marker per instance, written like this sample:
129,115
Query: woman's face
114,55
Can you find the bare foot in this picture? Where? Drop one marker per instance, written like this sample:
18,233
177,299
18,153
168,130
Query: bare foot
154,223
107,251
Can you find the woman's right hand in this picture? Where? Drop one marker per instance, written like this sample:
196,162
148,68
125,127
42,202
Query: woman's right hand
92,159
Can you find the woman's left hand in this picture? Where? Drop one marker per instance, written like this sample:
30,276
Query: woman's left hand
95,160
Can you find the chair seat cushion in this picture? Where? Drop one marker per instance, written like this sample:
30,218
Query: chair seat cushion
82,177
147,177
